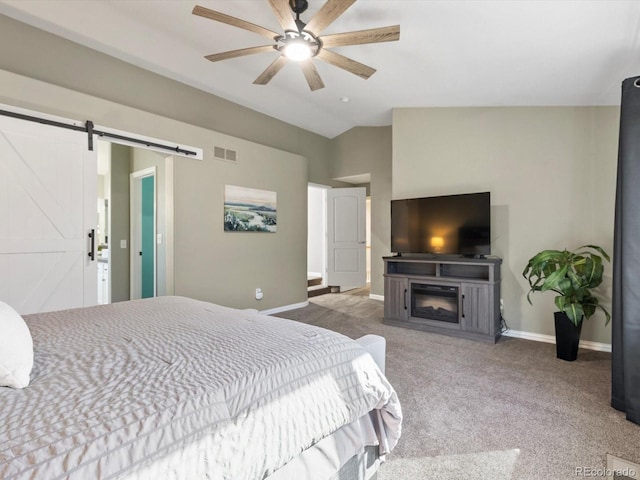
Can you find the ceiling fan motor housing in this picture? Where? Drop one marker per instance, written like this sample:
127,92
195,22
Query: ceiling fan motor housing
298,6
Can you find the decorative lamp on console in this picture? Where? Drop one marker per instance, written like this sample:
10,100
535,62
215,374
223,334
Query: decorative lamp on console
437,243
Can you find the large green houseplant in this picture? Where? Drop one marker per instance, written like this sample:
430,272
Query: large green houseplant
572,275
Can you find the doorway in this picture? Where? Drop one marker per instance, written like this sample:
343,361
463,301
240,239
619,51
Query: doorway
136,189
143,233
320,251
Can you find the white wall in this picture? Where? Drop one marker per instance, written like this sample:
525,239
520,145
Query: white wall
316,244
551,173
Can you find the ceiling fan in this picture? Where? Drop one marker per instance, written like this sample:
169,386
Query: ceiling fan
301,41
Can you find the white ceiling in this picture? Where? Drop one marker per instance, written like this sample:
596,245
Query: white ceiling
450,53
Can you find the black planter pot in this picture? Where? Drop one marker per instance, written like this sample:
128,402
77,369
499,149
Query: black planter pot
567,337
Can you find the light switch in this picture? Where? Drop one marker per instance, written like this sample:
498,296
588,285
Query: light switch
123,244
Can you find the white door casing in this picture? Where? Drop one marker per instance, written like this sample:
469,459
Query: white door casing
346,237
47,207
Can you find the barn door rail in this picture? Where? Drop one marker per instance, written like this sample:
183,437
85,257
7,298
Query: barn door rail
88,127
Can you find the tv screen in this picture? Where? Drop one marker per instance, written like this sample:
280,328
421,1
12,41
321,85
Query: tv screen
449,224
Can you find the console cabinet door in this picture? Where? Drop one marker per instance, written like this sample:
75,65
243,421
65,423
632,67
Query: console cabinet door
476,314
396,298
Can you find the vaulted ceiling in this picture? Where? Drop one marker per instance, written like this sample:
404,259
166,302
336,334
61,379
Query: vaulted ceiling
450,53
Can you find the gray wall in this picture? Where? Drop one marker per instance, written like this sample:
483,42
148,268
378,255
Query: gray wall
119,228
364,150
40,55
551,172
209,263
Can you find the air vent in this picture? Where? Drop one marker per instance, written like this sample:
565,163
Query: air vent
230,155
218,152
225,154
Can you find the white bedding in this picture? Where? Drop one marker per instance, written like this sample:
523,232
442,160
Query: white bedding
136,388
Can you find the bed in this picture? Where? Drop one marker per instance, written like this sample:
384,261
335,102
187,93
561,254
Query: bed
175,388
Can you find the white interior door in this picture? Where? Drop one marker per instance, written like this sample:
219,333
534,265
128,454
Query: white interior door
47,207
346,237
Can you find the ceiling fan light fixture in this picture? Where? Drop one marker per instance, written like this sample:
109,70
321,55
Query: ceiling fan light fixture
298,46
297,51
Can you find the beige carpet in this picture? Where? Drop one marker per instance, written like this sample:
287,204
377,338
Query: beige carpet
478,411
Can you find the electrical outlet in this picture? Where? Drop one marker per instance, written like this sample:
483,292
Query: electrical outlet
259,294
501,306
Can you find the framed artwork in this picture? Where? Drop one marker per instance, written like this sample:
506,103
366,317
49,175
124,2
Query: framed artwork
249,210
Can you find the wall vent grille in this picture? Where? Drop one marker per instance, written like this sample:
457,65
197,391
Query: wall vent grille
221,153
230,155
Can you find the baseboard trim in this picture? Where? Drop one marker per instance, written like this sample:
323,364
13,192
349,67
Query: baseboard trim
285,308
538,337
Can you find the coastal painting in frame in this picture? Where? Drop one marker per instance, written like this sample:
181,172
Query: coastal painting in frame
249,210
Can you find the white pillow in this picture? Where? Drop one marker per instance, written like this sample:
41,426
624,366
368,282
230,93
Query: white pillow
16,349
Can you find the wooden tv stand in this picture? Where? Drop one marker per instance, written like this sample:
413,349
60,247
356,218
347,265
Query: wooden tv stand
450,295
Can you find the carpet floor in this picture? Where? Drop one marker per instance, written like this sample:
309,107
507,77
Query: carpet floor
481,411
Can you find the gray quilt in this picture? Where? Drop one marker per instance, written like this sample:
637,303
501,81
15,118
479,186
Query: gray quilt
177,388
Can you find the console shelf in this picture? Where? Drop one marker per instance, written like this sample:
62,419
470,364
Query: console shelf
451,295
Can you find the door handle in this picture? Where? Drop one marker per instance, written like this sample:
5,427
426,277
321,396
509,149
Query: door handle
92,244
462,306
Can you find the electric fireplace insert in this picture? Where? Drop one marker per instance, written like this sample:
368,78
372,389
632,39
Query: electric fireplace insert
435,302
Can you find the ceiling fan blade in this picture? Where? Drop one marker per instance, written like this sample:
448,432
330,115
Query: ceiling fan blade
216,57
311,74
236,22
374,35
266,76
327,14
284,13
345,63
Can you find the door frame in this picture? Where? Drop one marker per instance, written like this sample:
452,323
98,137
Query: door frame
321,224
135,179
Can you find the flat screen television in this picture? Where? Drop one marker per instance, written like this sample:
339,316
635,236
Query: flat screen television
447,225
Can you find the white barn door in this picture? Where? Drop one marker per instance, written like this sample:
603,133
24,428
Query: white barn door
346,237
48,205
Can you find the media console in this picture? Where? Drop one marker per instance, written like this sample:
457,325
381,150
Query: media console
450,295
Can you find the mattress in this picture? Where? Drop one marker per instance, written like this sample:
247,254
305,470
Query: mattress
181,388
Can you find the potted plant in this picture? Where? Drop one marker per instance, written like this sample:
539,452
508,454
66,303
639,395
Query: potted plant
572,275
